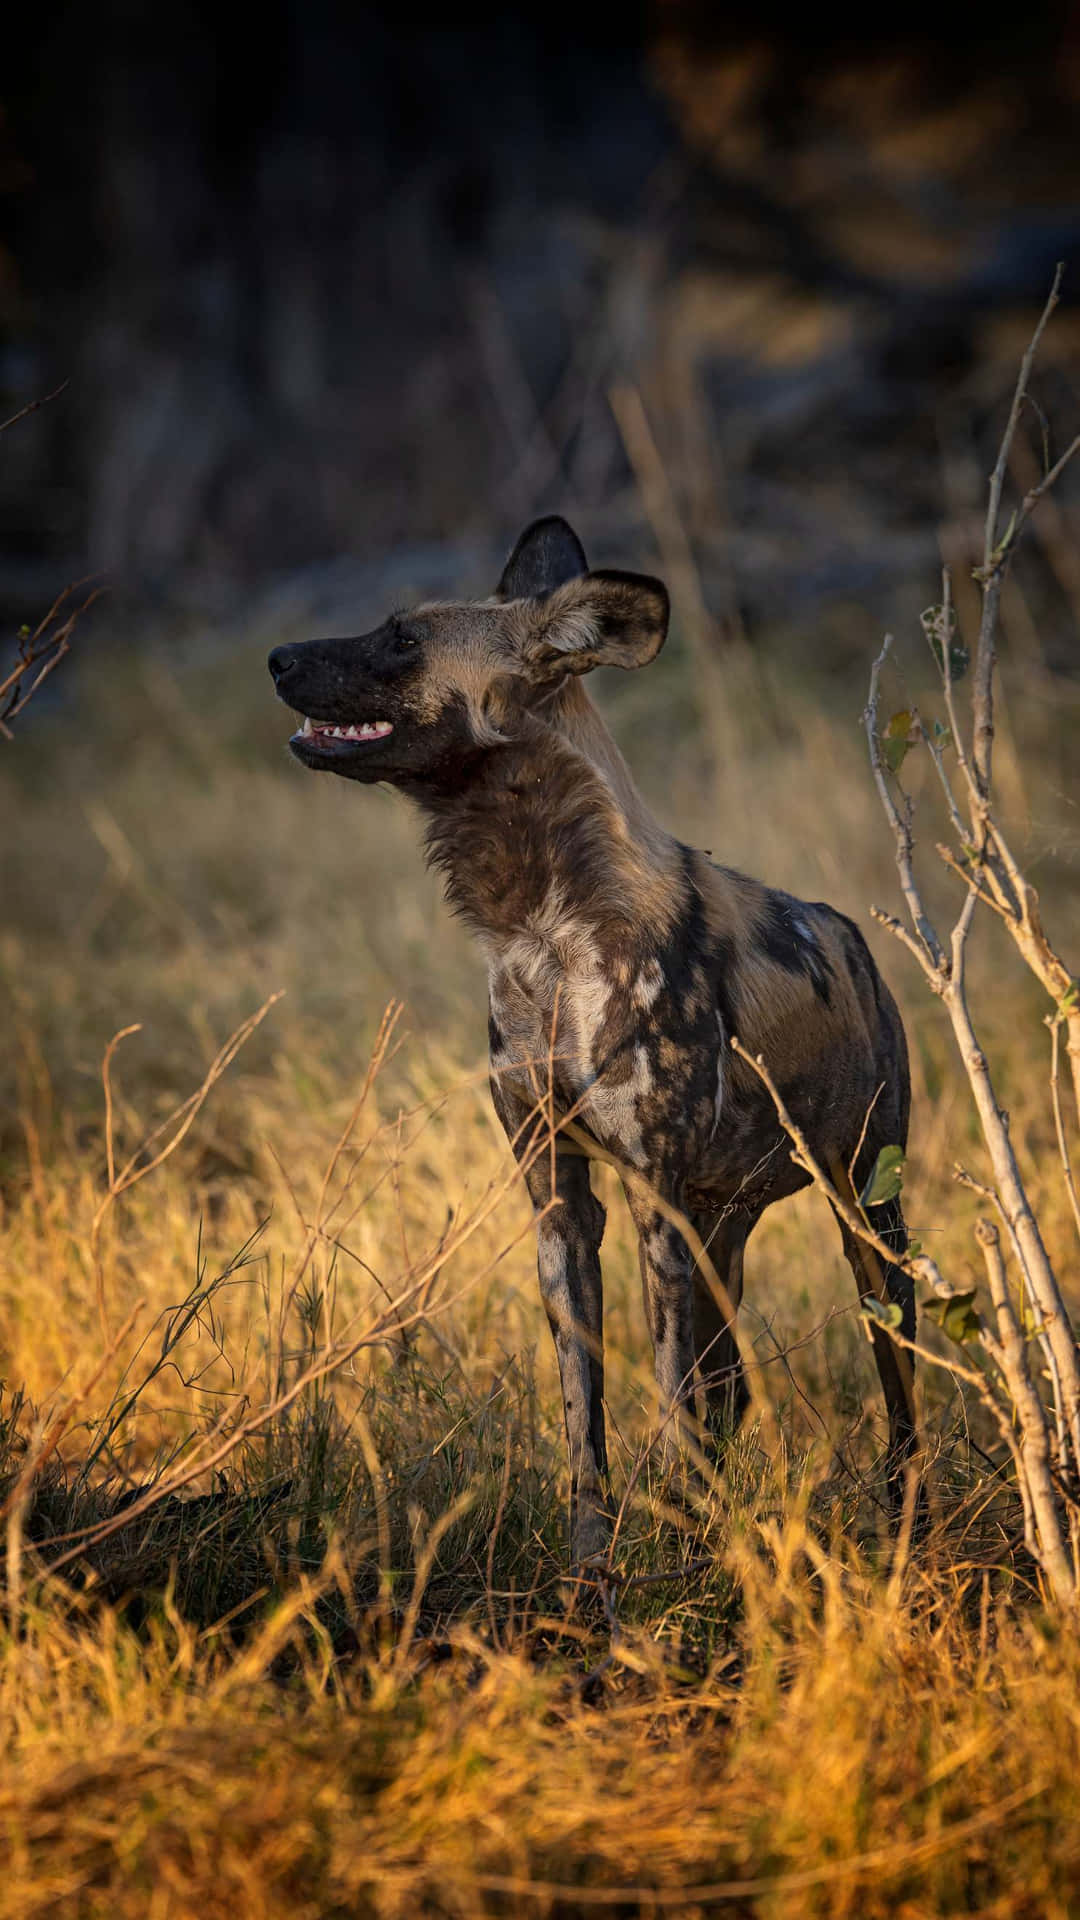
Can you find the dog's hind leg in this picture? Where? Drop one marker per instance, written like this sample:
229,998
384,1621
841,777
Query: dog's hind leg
888,1283
716,1302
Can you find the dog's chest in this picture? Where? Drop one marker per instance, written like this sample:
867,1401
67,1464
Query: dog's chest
550,1021
561,1018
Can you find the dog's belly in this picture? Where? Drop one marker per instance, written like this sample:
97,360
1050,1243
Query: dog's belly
743,1183
747,1162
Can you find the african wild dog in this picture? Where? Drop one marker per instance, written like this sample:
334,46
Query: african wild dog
645,955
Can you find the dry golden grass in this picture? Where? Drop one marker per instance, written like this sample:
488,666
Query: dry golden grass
339,1676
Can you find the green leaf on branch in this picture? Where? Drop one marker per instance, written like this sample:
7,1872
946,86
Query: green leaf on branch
956,1316
896,740
886,1179
934,626
1069,998
887,1313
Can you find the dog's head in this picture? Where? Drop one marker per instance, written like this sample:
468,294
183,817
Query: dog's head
421,700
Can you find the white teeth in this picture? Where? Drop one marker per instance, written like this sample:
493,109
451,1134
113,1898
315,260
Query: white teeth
366,730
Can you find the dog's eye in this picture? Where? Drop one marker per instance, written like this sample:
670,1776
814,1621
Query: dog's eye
404,641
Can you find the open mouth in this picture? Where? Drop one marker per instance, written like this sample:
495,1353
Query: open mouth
318,733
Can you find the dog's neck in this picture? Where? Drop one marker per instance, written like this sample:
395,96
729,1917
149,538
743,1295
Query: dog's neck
577,718
551,832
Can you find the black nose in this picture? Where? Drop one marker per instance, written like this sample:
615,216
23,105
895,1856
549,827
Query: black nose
281,662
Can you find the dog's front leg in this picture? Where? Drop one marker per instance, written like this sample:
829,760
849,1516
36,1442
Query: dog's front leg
568,1235
667,1285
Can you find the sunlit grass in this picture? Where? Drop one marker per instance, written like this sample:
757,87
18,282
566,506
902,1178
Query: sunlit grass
340,1673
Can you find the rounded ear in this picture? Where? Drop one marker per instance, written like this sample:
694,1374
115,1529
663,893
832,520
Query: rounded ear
607,619
547,555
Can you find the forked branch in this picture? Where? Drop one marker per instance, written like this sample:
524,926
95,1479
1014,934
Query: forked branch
1044,1439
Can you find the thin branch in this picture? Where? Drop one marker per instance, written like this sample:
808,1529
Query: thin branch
1054,1022
901,826
938,759
962,873
32,406
879,1090
44,649
848,1213
1035,1437
945,669
958,938
1032,498
996,556
1039,1328
936,981
997,478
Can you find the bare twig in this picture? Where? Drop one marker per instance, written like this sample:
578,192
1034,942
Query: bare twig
1039,1329
43,649
996,553
1054,1023
945,666
935,980
970,880
32,406
997,478
47,645
1047,1462
1034,1437
900,824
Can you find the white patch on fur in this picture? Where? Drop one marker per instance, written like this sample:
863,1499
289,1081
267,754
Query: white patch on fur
556,954
554,1284
659,1250
612,1115
501,1058
587,999
613,1111
718,1101
647,985
551,972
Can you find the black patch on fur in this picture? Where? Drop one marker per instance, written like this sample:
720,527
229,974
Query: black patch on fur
495,1038
690,942
889,1222
786,946
860,960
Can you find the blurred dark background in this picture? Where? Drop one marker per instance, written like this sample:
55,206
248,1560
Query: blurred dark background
340,291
